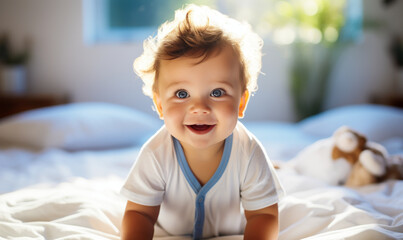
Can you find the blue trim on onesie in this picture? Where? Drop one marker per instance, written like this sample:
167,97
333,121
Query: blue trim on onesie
200,191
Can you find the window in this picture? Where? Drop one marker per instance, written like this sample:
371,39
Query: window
135,20
128,20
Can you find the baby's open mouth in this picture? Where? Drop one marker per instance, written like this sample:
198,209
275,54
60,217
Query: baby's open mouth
200,128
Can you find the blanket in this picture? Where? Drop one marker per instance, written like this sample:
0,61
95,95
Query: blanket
92,209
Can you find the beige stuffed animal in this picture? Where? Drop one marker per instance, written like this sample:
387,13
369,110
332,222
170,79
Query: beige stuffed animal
347,158
370,161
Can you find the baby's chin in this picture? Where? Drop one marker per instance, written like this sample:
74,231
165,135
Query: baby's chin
200,144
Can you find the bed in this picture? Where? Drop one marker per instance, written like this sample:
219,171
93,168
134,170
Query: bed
61,169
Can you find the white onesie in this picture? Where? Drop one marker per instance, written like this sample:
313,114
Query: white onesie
162,176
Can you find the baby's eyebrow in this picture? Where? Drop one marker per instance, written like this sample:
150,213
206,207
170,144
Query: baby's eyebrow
182,83
174,84
226,83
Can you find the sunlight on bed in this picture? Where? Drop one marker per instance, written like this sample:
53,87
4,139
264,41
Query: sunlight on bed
61,170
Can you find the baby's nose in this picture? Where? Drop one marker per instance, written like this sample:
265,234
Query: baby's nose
200,107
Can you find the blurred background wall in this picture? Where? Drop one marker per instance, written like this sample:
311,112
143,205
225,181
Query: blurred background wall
62,63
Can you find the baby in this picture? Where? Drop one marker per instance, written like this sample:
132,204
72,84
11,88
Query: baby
203,174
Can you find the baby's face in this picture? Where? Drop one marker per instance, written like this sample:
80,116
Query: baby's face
200,102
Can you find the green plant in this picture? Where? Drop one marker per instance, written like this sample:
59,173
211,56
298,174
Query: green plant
396,50
307,21
317,31
10,57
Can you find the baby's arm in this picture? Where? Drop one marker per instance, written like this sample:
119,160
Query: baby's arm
262,223
138,221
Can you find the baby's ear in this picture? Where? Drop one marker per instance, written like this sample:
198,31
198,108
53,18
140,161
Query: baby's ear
157,104
243,103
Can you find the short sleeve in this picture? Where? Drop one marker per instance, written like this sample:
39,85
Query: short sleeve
145,183
260,187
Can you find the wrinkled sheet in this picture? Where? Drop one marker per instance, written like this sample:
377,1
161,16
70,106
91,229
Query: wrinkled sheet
81,209
21,168
54,194
314,210
92,209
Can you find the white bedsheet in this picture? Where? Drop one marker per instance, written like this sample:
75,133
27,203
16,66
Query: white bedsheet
92,209
81,209
23,167
56,194
314,210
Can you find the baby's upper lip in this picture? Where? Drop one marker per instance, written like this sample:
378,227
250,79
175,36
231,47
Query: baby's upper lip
190,124
199,121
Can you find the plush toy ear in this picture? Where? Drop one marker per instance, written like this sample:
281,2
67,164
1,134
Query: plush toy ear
347,141
341,130
373,163
344,129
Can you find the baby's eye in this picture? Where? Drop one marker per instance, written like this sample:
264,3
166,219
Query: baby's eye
182,94
217,92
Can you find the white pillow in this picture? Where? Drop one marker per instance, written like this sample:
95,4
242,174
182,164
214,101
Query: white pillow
377,122
79,126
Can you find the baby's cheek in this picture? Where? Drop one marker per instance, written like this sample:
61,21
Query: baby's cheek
229,110
172,113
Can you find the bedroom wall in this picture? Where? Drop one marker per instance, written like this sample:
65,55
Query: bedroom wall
62,64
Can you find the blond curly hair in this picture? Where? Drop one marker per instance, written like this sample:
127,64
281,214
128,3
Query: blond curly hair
197,31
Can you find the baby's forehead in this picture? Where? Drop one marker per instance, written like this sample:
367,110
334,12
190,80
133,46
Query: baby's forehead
222,60
220,69
196,57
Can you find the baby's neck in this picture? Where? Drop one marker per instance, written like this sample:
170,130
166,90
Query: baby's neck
203,154
204,162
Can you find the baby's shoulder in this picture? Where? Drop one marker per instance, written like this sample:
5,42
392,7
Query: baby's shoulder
244,140
160,137
245,146
159,145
